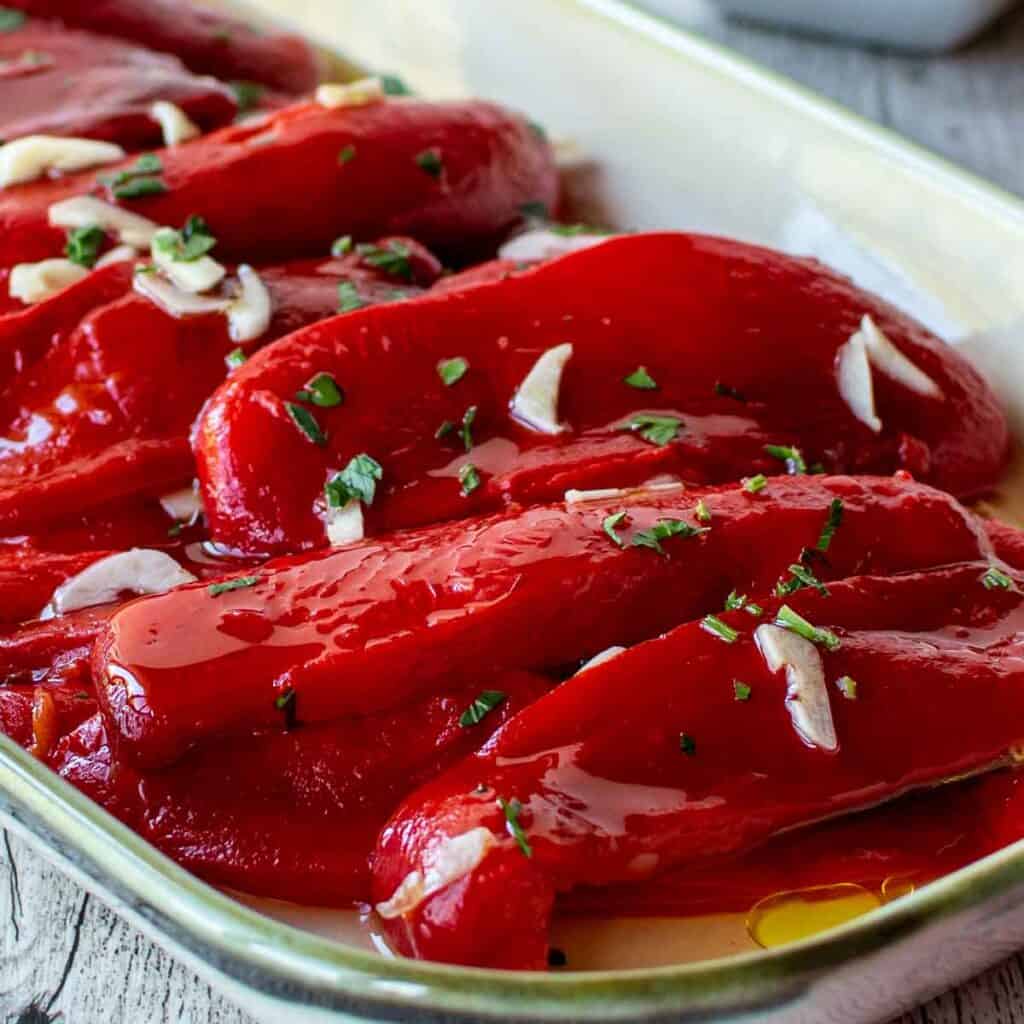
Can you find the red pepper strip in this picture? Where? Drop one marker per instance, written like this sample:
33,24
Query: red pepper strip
915,839
1007,541
100,416
294,814
207,41
70,703
252,181
616,782
765,325
57,81
29,577
362,628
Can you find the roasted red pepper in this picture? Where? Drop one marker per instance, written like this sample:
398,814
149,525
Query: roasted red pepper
363,164
730,349
58,81
207,41
365,627
604,781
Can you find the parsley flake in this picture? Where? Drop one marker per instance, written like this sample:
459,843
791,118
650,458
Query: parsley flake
347,154
466,430
847,687
286,702
10,19
611,524
446,428
358,480
641,380
802,577
735,601
740,691
84,244
307,424
996,579
796,623
349,298
792,457
239,583
481,708
659,430
451,371
662,530
725,391
430,162
185,246
832,523
714,625
341,246
755,484
138,188
392,85
393,258
235,358
469,478
534,210
511,809
687,744
247,94
702,513
753,609
322,390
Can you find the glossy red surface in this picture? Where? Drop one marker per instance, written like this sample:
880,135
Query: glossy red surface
607,794
207,41
252,181
59,81
764,324
361,628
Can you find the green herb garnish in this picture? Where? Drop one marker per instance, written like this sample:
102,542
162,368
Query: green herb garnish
358,480
659,430
10,19
247,94
84,244
611,523
392,85
446,428
304,420
753,609
481,708
137,188
802,577
286,702
687,744
847,687
430,162
740,691
735,601
452,370
394,258
511,809
714,625
727,392
349,298
832,523
792,457
341,246
534,210
469,478
347,154
466,430
755,484
235,358
662,530
188,245
795,623
240,583
996,579
322,390
702,513
641,380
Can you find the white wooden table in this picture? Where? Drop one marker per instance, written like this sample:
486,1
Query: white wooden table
64,953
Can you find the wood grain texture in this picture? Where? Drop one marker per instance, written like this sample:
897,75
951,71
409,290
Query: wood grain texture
65,953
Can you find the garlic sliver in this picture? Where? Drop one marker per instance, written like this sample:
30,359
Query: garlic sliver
34,282
249,314
853,377
350,94
175,124
32,156
535,403
88,211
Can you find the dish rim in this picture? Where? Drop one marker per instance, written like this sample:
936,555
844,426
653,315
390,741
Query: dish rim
280,961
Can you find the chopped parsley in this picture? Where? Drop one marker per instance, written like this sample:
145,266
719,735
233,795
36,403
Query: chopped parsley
727,392
534,210
792,457
347,154
394,258
185,246
138,188
10,19
659,430
511,809
832,523
392,85
451,371
322,390
702,513
795,623
247,94
342,245
753,609
430,162
349,298
358,480
735,601
235,358
466,430
141,179
286,702
755,484
84,244
802,577
307,424
175,530
662,530
847,687
469,478
687,744
612,523
714,625
740,691
641,380
239,583
446,428
481,708
996,579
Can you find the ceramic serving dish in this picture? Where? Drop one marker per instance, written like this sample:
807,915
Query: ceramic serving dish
669,131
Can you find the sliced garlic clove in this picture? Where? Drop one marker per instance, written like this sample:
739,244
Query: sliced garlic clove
888,359
599,659
345,524
574,497
138,571
175,124
88,211
350,94
173,300
249,315
806,692
543,244
34,282
199,275
535,403
184,506
853,377
33,156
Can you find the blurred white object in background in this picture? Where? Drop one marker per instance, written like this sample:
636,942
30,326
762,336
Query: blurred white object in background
930,26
